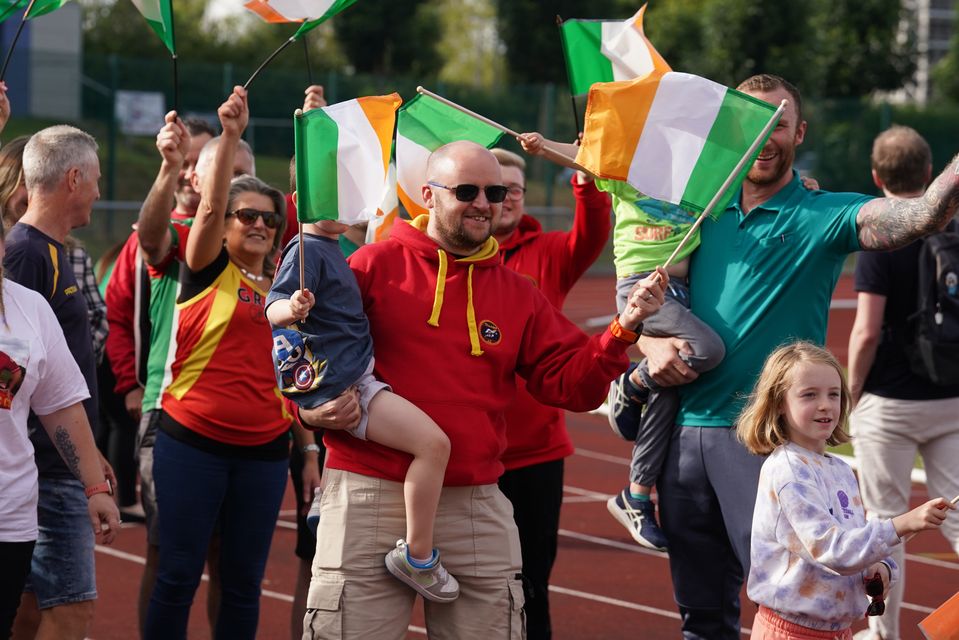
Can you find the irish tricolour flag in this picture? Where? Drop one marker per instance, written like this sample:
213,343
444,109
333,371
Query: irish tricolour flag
424,125
40,7
159,15
674,137
310,12
608,51
342,156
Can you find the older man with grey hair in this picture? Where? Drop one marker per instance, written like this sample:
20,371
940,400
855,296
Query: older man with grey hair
61,172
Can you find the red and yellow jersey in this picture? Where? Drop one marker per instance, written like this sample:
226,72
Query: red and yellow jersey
221,379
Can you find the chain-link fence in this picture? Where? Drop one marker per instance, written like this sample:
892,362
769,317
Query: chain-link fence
836,149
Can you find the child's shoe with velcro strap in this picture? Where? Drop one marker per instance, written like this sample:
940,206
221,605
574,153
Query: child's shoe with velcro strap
433,582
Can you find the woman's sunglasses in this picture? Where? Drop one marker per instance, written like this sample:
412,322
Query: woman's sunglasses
248,216
874,590
495,193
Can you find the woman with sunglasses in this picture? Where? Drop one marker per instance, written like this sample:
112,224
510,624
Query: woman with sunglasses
220,458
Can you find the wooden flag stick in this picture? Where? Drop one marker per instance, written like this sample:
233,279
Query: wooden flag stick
729,180
13,45
302,258
554,155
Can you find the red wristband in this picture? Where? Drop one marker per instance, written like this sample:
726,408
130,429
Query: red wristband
104,487
621,333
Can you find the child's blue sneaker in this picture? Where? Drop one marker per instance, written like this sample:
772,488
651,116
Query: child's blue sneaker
626,403
639,517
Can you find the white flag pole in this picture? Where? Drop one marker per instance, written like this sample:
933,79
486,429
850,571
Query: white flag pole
554,155
729,180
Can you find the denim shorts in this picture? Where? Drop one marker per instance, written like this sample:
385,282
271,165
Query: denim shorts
62,570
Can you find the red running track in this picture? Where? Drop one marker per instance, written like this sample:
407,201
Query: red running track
604,585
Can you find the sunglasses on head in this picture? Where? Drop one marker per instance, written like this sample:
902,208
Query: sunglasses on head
271,219
495,193
874,590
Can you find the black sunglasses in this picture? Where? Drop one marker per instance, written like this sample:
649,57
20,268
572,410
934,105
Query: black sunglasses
874,590
495,193
271,219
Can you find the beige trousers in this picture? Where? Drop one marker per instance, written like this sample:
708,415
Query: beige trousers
888,433
352,596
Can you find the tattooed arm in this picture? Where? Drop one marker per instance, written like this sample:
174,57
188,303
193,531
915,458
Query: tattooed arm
70,431
890,223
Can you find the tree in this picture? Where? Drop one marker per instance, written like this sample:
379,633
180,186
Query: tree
528,29
390,36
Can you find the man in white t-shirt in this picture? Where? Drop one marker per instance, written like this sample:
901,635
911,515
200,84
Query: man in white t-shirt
38,372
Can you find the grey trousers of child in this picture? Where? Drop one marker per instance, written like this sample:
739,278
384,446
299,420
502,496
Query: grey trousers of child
674,319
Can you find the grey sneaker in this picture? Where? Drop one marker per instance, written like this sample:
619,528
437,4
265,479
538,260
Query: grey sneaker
433,583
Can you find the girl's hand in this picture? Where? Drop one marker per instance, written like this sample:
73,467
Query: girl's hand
301,302
926,516
883,570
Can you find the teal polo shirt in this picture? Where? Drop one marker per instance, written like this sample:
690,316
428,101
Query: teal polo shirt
761,280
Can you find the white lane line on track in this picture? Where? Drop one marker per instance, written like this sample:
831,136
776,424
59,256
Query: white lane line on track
268,593
276,595
614,601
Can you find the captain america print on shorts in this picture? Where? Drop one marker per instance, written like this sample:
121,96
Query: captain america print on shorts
298,370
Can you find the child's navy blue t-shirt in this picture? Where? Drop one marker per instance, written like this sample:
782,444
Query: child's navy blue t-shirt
336,345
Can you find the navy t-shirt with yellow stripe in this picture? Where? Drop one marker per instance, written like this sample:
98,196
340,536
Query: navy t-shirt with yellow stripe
37,261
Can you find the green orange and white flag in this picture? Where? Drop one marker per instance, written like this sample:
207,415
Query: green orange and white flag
342,156
675,137
608,51
310,13
424,125
159,15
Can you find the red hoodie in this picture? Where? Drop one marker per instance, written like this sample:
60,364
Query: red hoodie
450,335
553,262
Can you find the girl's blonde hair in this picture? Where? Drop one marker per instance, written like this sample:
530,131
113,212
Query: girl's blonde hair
761,425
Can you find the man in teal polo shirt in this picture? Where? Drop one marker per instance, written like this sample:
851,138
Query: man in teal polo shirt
763,276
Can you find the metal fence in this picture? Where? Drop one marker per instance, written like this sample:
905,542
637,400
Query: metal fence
836,150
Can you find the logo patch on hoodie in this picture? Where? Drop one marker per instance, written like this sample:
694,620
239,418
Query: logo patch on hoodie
489,332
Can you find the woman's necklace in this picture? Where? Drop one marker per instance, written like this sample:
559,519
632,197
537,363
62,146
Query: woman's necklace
253,277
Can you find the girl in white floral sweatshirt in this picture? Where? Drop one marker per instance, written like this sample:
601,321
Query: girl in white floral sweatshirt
813,551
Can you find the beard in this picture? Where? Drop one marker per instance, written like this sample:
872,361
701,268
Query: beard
783,164
455,235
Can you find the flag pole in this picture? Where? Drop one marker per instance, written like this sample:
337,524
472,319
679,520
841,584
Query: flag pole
569,82
549,153
309,67
13,45
302,257
283,46
176,76
729,180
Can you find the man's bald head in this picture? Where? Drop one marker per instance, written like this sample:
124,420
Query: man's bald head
453,156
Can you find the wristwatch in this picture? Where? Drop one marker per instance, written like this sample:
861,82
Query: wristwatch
622,333
311,448
104,487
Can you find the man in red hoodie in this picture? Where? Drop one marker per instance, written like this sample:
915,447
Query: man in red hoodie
452,328
537,441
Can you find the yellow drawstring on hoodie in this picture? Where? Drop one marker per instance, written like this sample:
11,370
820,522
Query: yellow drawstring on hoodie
489,249
440,289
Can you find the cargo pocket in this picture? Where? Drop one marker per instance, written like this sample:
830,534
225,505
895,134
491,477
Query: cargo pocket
324,613
517,617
